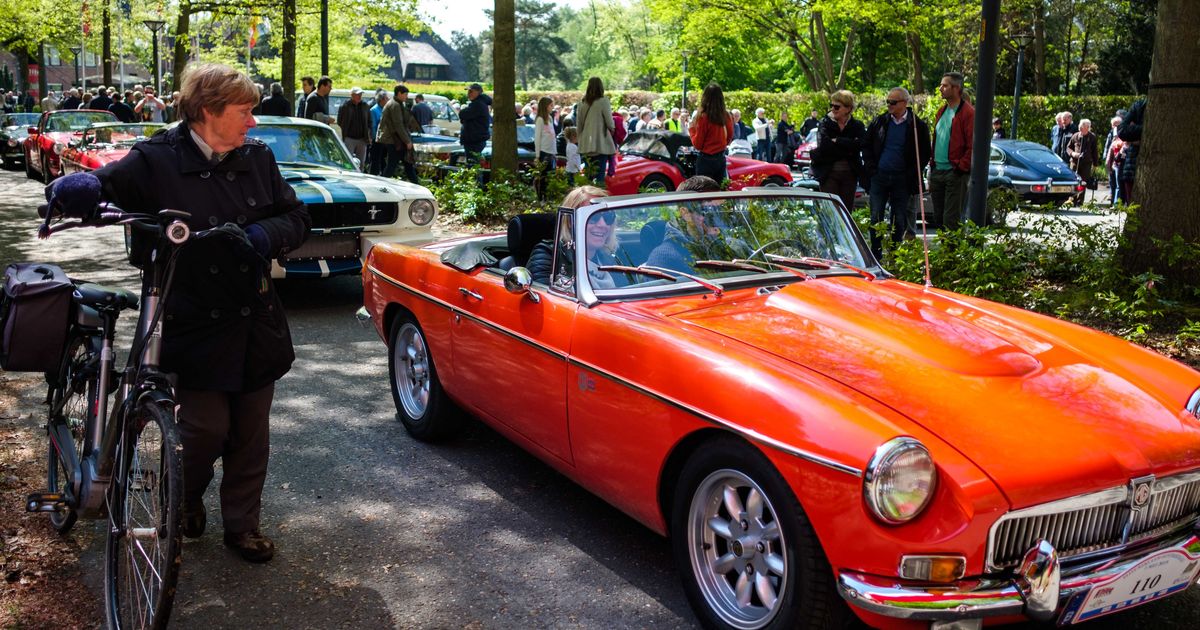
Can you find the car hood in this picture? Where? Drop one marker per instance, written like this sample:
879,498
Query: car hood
102,157
1041,415
327,185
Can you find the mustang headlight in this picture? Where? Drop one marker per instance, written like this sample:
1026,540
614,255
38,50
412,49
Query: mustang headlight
899,480
421,211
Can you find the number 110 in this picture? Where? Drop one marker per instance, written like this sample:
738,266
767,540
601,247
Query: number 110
1145,585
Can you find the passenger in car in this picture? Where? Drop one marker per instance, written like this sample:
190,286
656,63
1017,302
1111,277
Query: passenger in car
685,229
541,258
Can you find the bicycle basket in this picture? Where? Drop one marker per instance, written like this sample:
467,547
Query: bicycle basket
35,314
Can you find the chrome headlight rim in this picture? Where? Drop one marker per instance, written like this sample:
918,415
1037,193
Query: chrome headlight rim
881,460
422,211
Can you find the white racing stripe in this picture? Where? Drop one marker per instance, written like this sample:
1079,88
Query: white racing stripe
321,189
324,265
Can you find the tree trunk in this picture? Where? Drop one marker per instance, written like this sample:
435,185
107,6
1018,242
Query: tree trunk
826,57
914,45
183,36
1167,188
106,49
841,79
287,53
1039,50
504,127
1067,55
1083,54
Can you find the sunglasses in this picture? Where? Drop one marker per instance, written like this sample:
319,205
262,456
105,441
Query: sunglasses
835,106
607,216
891,102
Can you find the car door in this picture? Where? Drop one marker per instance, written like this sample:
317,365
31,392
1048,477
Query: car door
510,354
35,143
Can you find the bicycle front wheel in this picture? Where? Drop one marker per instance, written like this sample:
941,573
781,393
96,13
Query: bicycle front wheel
142,556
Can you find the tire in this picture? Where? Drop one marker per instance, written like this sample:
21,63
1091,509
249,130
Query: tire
778,542
421,403
72,397
774,182
29,172
142,556
655,183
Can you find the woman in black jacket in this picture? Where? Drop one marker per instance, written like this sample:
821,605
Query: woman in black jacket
837,160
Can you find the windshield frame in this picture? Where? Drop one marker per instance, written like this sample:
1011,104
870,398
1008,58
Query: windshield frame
588,296
347,166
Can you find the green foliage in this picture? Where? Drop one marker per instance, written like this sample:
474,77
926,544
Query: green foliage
503,196
1055,266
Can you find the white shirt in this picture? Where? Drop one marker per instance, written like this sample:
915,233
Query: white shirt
543,137
762,128
572,157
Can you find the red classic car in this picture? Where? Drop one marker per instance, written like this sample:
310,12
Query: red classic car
50,138
658,161
804,151
817,438
103,143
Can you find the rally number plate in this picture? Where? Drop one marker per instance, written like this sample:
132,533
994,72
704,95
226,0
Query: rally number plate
1062,189
1164,573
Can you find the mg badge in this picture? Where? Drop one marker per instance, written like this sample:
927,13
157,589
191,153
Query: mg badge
1141,495
373,211
1140,492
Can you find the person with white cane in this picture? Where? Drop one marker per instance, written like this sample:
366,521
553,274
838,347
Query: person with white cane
896,149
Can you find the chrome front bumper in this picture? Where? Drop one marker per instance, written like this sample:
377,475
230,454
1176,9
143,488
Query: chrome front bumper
1038,590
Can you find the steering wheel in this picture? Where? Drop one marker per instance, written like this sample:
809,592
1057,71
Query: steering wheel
795,243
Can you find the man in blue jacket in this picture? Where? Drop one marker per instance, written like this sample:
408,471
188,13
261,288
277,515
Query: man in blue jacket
892,161
475,119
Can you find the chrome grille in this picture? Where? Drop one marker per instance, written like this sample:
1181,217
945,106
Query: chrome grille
1095,522
353,214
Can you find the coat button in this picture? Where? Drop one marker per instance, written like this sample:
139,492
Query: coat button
216,313
212,220
205,175
229,175
241,218
243,268
213,269
245,311
251,201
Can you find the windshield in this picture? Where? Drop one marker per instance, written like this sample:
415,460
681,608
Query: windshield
678,235
77,121
20,120
1039,156
122,135
303,144
646,144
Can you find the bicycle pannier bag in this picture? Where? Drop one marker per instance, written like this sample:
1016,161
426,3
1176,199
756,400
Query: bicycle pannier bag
34,317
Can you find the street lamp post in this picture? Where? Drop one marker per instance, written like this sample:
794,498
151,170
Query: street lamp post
155,26
76,50
1020,40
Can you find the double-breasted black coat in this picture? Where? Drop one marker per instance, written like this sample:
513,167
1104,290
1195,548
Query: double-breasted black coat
224,328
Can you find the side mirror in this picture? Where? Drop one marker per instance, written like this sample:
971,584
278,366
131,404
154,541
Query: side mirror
519,281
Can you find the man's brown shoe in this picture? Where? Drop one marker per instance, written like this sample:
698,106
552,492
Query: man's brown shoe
253,546
195,517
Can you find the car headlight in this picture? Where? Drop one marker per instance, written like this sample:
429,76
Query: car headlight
421,211
899,480
58,149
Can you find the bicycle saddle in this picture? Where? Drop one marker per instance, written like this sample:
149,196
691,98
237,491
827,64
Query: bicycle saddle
98,296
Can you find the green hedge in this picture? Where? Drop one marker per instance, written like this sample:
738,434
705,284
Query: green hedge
1037,112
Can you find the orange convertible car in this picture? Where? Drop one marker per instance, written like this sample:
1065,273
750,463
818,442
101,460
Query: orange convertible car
817,439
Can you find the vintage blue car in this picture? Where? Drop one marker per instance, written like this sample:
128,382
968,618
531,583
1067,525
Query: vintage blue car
1036,174
351,211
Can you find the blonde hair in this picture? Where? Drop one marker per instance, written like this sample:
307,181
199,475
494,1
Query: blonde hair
581,195
211,87
845,98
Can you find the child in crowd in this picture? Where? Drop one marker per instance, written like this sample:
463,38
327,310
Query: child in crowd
573,165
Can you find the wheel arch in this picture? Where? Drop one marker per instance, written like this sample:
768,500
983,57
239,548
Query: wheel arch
392,311
668,477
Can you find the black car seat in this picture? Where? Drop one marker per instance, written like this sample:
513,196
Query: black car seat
524,232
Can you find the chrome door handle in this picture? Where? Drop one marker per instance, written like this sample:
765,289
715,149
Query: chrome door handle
469,293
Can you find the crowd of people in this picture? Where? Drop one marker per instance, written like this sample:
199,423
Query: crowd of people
139,104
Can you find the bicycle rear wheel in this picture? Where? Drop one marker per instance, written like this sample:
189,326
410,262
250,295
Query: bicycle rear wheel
142,556
73,396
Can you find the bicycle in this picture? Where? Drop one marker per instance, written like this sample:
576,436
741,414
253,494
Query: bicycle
124,465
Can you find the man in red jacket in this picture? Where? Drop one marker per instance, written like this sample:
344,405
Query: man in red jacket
950,168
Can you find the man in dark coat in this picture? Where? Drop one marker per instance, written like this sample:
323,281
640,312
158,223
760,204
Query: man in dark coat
892,164
102,100
422,111
276,104
316,104
1130,130
71,101
307,86
476,120
396,124
122,110
812,122
225,335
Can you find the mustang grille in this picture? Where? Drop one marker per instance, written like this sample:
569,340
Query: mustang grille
1096,522
352,214
326,246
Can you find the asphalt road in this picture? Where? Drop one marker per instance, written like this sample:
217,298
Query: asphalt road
375,530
